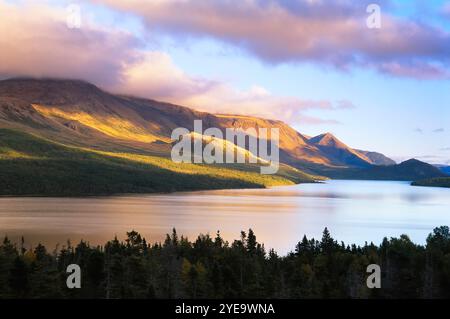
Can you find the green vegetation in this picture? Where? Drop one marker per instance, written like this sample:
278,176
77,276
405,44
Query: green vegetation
212,268
30,165
433,182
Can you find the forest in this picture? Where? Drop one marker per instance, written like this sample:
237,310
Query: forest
433,182
211,267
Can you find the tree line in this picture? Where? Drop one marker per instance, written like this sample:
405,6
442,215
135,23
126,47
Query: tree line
211,267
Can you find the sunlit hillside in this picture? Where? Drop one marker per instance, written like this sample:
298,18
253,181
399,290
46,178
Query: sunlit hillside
79,116
76,111
112,126
31,165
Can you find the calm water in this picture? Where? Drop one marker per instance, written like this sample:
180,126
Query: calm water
354,211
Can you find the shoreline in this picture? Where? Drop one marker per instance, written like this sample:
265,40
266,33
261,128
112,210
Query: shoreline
107,195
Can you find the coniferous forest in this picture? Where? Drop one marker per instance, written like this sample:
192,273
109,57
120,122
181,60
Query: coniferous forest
209,267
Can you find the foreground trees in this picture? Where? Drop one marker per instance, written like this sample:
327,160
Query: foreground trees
213,268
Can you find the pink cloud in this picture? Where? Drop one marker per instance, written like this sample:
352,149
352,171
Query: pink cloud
157,77
423,71
303,31
39,44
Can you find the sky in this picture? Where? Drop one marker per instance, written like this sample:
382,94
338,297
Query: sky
314,64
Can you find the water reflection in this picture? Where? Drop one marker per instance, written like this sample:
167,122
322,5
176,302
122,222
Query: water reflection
354,211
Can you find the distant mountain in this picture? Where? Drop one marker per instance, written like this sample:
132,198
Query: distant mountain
339,153
377,158
410,170
444,168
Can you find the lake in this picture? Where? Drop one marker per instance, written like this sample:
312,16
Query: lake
354,211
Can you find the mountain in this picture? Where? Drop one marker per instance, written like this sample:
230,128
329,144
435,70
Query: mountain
410,170
78,110
377,158
346,156
65,137
31,165
78,114
340,153
444,168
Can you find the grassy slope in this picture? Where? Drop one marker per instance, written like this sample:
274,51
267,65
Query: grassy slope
434,182
30,165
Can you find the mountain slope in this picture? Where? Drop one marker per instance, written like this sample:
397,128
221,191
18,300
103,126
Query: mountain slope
377,158
294,147
339,152
444,168
410,170
31,165
76,111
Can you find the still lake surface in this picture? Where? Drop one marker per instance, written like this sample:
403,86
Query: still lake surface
354,211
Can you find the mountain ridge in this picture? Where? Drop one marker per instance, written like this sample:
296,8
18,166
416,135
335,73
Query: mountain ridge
339,151
79,113
409,170
79,110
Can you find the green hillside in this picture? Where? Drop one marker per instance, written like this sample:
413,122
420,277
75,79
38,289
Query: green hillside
30,165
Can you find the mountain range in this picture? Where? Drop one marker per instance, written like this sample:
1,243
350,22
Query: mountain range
78,115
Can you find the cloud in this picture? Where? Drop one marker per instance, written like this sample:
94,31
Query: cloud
36,42
417,70
345,104
331,34
437,130
39,44
157,77
445,149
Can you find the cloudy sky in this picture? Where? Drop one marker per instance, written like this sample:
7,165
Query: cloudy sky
312,63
